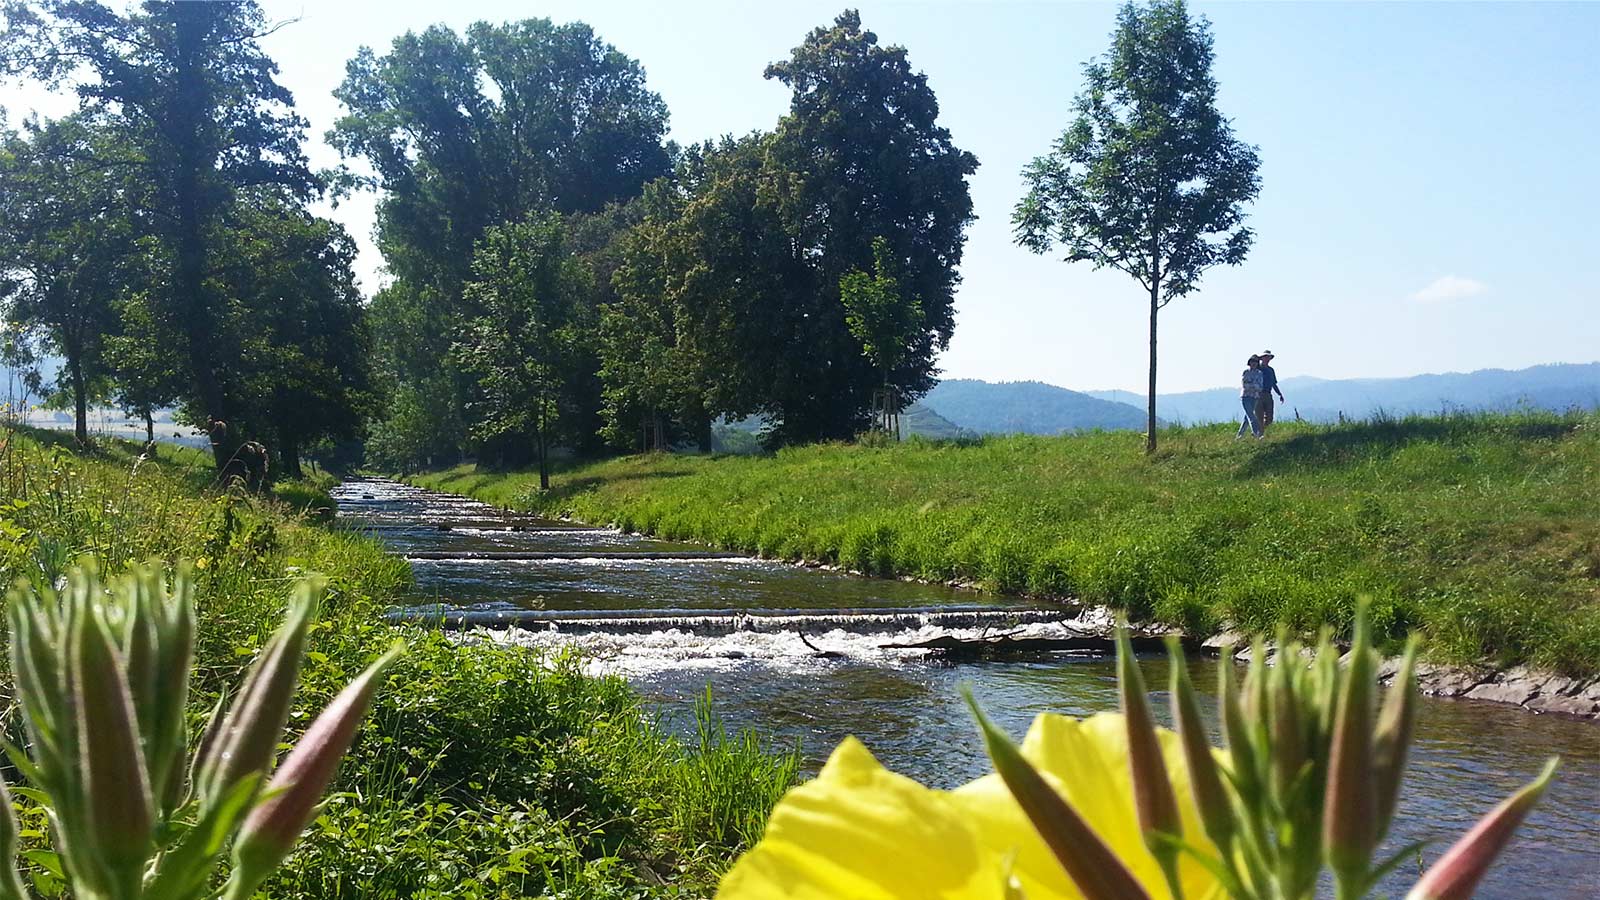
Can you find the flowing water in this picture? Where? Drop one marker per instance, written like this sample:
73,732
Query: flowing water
798,654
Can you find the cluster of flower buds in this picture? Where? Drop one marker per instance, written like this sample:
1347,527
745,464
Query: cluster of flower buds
1308,778
102,679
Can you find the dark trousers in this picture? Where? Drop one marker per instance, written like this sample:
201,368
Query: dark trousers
1264,410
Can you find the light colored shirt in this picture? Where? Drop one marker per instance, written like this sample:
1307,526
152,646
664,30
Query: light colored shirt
1251,383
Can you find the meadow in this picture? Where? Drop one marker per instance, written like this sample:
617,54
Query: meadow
482,771
1480,531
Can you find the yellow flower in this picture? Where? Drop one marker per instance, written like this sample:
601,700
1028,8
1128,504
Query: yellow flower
862,832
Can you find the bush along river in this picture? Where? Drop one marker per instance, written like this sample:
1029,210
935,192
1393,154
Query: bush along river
799,655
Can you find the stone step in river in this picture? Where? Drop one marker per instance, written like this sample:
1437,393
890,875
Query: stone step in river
799,655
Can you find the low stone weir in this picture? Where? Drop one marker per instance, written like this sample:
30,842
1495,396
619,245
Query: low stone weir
730,621
523,555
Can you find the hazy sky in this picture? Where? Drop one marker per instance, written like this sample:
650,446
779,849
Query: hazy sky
1430,177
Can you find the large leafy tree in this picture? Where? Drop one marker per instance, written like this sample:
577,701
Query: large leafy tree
305,349
65,245
196,104
718,265
868,159
1149,177
521,348
467,132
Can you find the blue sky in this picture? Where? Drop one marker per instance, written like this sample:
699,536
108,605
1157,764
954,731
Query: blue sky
1429,173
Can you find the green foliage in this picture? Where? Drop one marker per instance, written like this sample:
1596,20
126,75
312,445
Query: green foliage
64,244
308,497
467,132
522,346
879,316
482,771
1149,178
1477,530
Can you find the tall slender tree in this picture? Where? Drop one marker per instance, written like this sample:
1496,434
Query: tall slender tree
885,320
1149,177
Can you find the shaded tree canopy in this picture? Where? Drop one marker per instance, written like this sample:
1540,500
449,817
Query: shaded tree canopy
522,347
199,116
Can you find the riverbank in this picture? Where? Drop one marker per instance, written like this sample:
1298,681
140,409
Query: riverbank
1479,531
482,772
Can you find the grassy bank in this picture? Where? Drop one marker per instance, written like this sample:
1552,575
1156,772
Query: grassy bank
1481,531
483,772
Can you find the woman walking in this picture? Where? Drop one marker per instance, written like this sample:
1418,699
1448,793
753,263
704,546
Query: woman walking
1250,392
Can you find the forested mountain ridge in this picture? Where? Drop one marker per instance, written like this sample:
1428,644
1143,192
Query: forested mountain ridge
1027,407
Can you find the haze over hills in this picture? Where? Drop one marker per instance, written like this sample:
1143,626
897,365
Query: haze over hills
1557,386
1030,407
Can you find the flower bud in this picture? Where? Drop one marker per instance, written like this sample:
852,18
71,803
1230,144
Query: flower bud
1096,871
1393,739
249,734
1236,733
1204,780
1349,823
1456,874
272,827
170,733
118,818
1288,738
1153,797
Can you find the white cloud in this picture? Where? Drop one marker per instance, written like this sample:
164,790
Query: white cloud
1449,287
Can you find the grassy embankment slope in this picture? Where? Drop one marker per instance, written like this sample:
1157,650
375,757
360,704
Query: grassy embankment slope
1482,531
483,772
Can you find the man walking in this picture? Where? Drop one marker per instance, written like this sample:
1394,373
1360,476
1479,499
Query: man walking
1269,384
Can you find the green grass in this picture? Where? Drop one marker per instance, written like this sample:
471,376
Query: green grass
482,772
1482,531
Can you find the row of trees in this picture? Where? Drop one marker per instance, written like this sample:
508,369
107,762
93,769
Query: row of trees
560,274
158,238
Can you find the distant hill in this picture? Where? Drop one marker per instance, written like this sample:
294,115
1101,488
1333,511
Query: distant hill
920,419
1557,387
1030,407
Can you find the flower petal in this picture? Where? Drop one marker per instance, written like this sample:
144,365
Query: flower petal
1087,760
860,831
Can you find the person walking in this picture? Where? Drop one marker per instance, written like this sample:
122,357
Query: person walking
1269,383
1249,394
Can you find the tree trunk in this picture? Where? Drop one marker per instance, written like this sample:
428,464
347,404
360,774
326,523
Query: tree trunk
702,429
544,462
188,277
80,399
149,427
289,448
1150,420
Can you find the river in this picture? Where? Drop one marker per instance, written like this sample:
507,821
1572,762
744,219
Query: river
753,629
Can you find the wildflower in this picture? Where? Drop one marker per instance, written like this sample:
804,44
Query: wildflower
859,830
